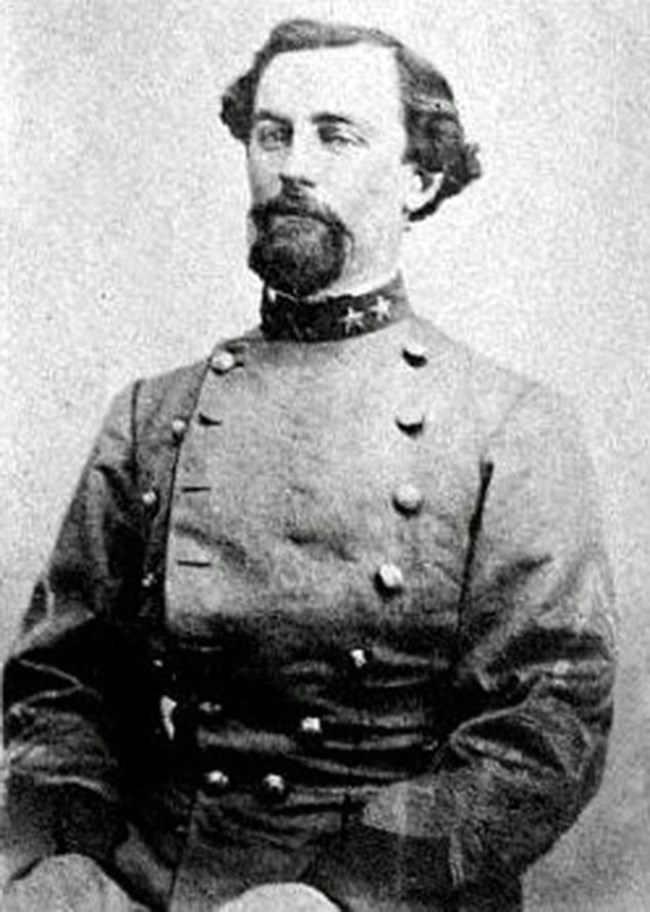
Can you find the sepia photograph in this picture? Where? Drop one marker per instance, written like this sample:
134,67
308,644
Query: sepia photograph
324,458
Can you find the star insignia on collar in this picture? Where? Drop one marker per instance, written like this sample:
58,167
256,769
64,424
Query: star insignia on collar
381,308
353,320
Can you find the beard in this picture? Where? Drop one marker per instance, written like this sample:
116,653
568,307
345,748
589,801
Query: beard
300,246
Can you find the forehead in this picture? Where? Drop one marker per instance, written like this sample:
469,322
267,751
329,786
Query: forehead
359,81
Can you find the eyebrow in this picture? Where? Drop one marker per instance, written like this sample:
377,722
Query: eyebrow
326,117
265,114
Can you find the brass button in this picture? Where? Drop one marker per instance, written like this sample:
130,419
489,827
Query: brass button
415,354
311,727
150,499
273,788
359,659
209,710
239,349
216,781
407,498
222,362
179,428
410,420
148,581
390,579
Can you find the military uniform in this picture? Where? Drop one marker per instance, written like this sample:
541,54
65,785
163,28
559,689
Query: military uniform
331,607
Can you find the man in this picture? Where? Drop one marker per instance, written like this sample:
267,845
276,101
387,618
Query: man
327,624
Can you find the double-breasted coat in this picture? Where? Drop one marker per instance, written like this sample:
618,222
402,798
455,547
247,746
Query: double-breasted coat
334,612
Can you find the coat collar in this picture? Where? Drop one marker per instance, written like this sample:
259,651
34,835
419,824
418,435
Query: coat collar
287,318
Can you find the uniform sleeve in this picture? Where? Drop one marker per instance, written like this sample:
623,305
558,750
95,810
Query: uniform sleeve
69,711
532,691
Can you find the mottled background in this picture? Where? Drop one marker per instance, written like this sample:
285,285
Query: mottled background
125,248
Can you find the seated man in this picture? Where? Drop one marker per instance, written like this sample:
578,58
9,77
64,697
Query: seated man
327,623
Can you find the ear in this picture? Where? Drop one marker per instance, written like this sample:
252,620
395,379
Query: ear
420,188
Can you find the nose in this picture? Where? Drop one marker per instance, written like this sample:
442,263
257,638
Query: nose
295,188
299,164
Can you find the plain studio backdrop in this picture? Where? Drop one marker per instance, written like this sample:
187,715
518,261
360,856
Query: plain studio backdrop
125,201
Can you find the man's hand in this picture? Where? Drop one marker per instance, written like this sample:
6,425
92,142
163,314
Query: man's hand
286,897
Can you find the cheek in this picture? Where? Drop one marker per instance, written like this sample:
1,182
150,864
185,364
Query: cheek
263,179
375,191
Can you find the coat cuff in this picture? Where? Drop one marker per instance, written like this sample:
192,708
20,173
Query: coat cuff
366,865
63,818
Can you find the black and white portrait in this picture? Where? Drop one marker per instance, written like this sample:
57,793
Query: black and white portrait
324,470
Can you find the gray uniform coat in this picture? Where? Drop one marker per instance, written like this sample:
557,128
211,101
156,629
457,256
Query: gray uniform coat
330,612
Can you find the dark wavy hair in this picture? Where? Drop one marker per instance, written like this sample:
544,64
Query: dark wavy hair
436,141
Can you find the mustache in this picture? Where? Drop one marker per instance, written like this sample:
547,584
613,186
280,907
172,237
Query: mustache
294,204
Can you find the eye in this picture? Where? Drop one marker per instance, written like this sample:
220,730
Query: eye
339,138
271,136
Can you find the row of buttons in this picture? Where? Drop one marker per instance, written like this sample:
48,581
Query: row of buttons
358,660
224,360
273,788
406,498
310,728
409,419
